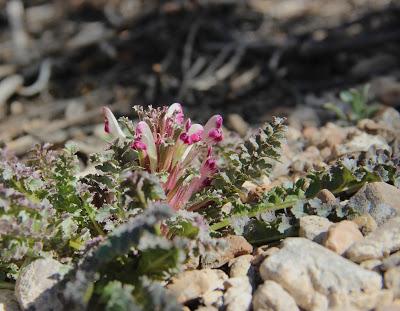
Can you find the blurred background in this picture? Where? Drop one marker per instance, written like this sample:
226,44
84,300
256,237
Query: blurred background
60,61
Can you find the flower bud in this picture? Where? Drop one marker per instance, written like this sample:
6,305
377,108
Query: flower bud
111,125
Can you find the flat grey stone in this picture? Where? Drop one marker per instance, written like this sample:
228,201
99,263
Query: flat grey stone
314,228
8,301
378,244
270,296
319,279
35,288
379,199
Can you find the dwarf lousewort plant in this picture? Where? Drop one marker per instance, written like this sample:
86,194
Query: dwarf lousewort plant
171,146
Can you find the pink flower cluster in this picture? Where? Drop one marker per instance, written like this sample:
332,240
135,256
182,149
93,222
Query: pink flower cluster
166,142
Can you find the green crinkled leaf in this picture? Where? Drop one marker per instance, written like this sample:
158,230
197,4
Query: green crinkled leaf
182,227
153,296
140,234
259,233
158,263
356,105
245,162
42,208
116,296
349,175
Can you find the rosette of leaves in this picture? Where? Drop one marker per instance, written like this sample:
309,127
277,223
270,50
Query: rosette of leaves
121,273
343,178
247,161
251,159
46,209
356,105
275,213
229,208
266,219
41,209
349,174
119,189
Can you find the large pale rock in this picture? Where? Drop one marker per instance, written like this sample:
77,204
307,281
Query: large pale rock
395,306
314,228
270,296
392,281
361,301
8,302
365,223
392,261
238,294
377,244
342,235
390,118
360,142
193,284
36,285
319,279
379,199
372,264
241,266
213,299
262,252
230,247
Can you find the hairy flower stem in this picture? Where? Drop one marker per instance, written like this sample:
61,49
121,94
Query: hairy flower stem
351,189
268,207
6,285
90,213
121,212
20,187
274,237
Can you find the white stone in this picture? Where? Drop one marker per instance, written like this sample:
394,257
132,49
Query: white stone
36,285
314,228
241,266
342,235
361,142
270,296
378,244
238,294
314,275
195,283
378,199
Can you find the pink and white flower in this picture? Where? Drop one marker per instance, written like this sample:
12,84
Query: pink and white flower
213,130
144,142
111,125
166,142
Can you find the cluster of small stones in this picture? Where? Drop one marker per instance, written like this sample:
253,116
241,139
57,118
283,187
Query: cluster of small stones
349,265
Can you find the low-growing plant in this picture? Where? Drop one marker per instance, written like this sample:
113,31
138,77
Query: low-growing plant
160,182
43,209
275,213
171,147
349,174
356,107
121,273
